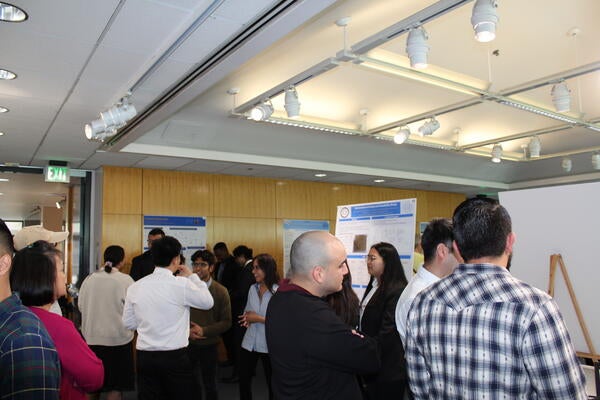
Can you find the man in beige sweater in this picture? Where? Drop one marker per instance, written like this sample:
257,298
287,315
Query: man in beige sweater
207,326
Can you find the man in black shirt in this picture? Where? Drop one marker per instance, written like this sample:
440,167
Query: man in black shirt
143,264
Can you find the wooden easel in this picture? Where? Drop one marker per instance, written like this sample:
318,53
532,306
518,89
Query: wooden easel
555,260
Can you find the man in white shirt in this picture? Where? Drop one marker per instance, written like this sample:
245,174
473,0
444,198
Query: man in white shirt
158,307
439,263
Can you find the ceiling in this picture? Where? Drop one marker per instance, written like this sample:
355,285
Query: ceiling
180,57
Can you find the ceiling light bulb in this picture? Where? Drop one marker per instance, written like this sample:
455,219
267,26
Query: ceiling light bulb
402,135
7,75
10,13
561,97
261,112
596,160
429,127
417,48
378,180
292,105
567,164
58,205
497,153
320,175
535,146
3,109
484,20
94,128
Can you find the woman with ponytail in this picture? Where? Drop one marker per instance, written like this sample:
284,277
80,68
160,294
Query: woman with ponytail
101,300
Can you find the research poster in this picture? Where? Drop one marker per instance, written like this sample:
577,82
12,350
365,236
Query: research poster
190,231
292,228
359,226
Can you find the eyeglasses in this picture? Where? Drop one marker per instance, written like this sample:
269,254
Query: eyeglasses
199,264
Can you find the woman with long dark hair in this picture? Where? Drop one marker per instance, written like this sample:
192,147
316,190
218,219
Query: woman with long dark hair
254,344
101,300
377,319
345,302
37,274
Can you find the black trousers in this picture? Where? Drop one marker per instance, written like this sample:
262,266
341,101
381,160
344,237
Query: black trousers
204,367
248,361
164,375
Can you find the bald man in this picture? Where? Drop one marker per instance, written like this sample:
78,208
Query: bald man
313,353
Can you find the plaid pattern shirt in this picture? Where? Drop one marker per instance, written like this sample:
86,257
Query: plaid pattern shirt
29,364
483,334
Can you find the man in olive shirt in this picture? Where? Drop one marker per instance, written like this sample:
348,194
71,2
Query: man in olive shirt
207,325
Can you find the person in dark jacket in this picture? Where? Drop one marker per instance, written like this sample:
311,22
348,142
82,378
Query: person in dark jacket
314,354
143,264
377,319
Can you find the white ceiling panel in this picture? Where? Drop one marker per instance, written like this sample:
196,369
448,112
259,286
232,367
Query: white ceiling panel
99,159
156,162
146,26
242,11
214,31
206,166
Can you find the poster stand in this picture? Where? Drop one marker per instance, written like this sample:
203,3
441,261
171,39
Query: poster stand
557,260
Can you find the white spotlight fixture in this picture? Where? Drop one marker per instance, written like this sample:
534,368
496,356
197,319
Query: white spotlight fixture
261,112
596,160
10,13
417,47
561,97
429,127
566,164
484,20
110,121
535,146
497,153
292,104
7,75
402,135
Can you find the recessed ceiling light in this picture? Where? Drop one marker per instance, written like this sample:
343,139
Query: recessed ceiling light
10,13
378,180
3,109
320,175
1,194
4,179
1,133
7,75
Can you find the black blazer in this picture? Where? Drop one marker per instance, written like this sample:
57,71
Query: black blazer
379,321
228,272
141,266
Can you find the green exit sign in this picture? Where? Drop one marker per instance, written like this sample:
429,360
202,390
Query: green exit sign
55,173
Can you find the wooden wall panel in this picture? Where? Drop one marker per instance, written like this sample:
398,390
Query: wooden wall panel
246,197
176,193
260,234
124,230
122,190
304,200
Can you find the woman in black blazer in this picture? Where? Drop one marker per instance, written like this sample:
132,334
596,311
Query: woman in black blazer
377,319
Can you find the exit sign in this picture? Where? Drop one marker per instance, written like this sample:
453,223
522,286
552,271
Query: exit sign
55,173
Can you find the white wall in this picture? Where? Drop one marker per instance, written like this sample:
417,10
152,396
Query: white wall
564,220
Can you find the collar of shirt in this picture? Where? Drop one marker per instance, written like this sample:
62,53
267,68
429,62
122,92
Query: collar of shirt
163,271
480,269
209,282
9,304
427,275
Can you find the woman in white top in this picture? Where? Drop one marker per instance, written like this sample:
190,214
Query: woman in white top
254,344
101,300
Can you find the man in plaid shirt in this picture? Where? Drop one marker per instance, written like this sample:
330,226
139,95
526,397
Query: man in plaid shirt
29,365
482,334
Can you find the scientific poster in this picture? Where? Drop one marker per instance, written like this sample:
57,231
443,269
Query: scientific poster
359,226
190,231
292,228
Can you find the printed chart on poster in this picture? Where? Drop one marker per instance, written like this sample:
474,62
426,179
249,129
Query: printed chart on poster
359,226
190,231
292,228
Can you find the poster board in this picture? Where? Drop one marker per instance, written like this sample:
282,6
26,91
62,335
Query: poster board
359,226
292,228
190,231
560,220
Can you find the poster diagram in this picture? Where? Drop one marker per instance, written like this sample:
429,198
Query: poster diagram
359,226
292,228
190,231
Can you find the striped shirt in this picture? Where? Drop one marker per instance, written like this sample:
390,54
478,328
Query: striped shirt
29,365
480,333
